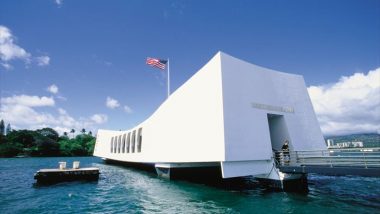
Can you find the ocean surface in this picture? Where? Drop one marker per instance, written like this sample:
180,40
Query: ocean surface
125,190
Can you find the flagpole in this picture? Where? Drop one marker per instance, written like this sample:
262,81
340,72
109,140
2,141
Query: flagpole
168,78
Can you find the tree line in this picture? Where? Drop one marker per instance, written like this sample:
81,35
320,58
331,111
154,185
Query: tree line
44,142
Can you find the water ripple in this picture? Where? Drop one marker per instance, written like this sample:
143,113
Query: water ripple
126,190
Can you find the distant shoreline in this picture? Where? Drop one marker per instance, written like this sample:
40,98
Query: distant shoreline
45,142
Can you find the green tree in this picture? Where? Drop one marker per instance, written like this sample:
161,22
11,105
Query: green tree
83,131
72,147
90,146
23,137
49,133
2,139
8,129
45,142
82,141
9,146
65,147
2,127
9,150
72,131
45,146
90,133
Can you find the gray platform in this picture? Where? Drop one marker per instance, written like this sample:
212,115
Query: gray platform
60,175
335,170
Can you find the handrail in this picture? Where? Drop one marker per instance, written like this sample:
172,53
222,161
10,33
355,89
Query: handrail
351,157
343,149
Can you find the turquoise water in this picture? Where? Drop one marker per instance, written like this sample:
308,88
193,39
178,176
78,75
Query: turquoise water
125,190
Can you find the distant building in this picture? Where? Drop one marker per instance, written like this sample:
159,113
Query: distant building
330,143
353,144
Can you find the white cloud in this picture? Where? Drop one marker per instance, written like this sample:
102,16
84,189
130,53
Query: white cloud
43,60
22,112
61,98
7,66
59,2
99,118
351,105
22,115
62,111
53,89
128,109
9,51
61,129
29,101
112,103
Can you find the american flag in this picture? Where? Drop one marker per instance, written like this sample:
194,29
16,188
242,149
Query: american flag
159,63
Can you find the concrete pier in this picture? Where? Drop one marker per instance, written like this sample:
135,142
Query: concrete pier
355,161
333,170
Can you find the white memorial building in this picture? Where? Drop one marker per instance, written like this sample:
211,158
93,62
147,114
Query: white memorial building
231,115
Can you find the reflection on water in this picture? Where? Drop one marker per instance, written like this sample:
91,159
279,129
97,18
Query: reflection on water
122,189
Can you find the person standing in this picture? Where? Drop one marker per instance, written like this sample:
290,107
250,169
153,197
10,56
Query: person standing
285,152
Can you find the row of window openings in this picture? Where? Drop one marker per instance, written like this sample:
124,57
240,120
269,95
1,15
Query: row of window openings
126,143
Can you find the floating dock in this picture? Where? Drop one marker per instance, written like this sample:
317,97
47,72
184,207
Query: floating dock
46,176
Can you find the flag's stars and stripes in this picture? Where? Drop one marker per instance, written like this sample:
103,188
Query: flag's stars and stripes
159,63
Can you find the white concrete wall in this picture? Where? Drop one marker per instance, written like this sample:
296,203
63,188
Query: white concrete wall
232,169
188,127
247,134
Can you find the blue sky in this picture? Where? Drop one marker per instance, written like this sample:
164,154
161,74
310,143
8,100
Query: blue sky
91,51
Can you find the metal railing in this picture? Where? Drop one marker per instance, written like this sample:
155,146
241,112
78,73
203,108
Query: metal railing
360,157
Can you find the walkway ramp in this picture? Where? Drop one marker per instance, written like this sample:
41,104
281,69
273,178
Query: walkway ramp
358,161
